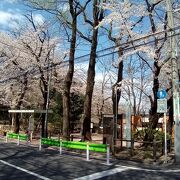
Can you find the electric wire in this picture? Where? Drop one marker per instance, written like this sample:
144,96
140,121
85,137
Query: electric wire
81,59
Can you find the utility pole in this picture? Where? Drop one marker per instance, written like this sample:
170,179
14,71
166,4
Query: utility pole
175,82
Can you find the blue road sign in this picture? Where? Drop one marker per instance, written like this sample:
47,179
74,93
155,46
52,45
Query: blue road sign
162,94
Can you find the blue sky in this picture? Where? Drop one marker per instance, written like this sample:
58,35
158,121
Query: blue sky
11,12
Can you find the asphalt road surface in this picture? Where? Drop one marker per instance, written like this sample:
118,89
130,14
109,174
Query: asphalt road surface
28,163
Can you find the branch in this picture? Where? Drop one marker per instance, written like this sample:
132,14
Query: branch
31,20
145,61
153,5
83,36
87,20
142,17
165,61
165,34
110,35
83,8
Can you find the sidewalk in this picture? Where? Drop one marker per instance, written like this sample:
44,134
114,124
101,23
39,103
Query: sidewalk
149,164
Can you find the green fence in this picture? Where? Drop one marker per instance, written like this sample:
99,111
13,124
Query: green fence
75,145
22,137
102,148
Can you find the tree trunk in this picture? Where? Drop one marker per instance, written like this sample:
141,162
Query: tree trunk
43,117
153,115
16,122
86,119
171,120
44,91
68,79
18,106
116,95
86,134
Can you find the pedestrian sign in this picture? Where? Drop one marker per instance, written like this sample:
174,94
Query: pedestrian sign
162,94
161,105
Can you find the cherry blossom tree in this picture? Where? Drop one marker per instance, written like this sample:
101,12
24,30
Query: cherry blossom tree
67,14
136,84
120,23
32,52
101,102
152,23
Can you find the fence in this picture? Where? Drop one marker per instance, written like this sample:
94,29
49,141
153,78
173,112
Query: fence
100,148
19,137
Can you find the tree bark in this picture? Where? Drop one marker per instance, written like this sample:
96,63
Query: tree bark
18,106
43,117
69,76
89,89
86,119
119,79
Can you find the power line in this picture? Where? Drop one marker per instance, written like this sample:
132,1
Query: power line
112,47
80,58
136,46
132,41
77,60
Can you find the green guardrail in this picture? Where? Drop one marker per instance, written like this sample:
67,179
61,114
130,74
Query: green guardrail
15,136
50,142
75,145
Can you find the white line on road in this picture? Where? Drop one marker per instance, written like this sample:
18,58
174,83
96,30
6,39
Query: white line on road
24,170
151,170
102,174
124,168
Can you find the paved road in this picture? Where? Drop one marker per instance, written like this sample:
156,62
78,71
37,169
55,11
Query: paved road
27,163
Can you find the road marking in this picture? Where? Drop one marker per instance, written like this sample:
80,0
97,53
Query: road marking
24,170
102,174
124,168
152,170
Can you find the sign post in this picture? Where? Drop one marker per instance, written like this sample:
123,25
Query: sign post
162,108
31,126
165,138
128,126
